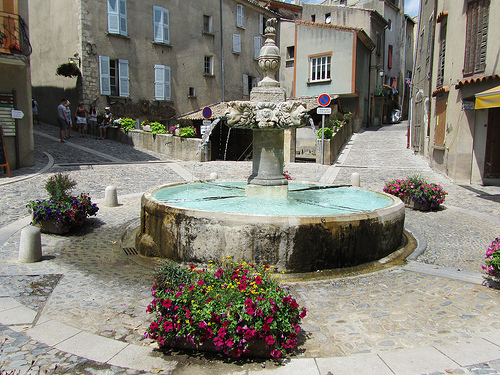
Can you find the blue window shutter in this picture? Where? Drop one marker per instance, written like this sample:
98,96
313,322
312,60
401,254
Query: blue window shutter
239,15
168,85
123,17
161,25
123,78
113,17
159,82
166,33
104,75
237,43
257,45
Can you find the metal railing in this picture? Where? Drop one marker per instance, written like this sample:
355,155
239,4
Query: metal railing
14,35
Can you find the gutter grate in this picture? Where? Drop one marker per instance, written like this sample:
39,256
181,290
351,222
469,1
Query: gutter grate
130,251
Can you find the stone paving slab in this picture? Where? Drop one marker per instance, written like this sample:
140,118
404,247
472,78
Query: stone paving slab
52,332
361,364
470,352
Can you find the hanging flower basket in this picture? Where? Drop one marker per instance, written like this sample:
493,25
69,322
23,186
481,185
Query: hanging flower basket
68,70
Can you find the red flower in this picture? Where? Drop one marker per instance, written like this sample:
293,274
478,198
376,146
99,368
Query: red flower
294,304
270,340
303,313
222,332
248,302
229,343
276,353
265,327
250,311
237,353
269,319
166,303
218,342
200,282
168,325
258,280
153,326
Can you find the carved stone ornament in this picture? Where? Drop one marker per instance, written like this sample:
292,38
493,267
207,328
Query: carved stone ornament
265,115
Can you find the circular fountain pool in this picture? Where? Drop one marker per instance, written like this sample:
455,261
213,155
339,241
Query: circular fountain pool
316,227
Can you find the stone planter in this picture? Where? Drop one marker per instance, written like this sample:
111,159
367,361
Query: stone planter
410,203
257,349
52,227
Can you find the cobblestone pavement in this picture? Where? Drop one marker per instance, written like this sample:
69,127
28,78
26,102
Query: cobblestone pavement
88,282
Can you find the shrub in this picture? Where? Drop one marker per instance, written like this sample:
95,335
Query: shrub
188,132
229,304
127,124
68,70
328,133
492,260
418,190
59,186
157,128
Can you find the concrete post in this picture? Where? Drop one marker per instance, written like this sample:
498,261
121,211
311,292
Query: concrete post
110,196
30,245
355,180
213,176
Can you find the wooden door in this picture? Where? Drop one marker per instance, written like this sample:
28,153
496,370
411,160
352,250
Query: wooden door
492,158
440,123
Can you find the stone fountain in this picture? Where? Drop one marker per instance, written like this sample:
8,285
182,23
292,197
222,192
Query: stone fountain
299,227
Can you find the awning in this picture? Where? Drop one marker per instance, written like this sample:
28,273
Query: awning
488,99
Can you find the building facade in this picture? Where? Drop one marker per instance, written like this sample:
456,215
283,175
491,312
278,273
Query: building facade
15,84
148,58
463,135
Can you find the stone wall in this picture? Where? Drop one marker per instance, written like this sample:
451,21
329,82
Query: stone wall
167,144
333,146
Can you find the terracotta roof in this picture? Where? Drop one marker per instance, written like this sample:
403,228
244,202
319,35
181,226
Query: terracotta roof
476,80
219,109
441,90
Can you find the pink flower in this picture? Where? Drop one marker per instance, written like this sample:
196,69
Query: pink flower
218,342
166,303
276,353
168,325
270,340
229,343
200,282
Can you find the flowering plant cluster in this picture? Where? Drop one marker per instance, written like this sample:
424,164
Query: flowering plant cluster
492,260
231,305
287,174
417,190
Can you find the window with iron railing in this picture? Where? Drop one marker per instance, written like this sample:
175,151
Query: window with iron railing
13,34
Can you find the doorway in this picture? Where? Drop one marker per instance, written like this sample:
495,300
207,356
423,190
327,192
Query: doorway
492,157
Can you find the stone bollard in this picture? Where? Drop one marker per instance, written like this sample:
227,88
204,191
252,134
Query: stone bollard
30,245
110,196
213,176
355,180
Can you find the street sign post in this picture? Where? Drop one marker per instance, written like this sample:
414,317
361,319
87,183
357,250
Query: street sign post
17,114
207,112
324,101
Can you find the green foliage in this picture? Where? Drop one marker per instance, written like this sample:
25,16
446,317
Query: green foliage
328,133
68,70
157,128
184,123
127,124
59,186
188,132
229,304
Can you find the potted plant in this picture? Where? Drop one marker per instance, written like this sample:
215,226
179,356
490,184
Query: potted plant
236,308
492,260
416,193
61,211
15,48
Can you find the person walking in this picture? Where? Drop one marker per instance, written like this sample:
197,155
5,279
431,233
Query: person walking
34,104
93,121
63,120
81,115
68,116
106,123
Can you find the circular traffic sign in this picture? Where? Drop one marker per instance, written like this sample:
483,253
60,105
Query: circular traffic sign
324,100
207,112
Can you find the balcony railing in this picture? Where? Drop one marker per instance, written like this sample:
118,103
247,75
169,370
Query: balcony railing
14,35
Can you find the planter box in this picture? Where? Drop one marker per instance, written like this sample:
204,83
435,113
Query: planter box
256,349
410,203
52,228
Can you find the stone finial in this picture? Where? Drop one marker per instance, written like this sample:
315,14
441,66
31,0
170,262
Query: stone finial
269,57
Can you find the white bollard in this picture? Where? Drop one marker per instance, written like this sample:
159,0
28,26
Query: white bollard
213,176
110,196
30,245
355,180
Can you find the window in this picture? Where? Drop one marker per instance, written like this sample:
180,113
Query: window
313,18
239,15
114,77
389,24
161,30
442,49
162,83
389,56
429,37
320,68
290,56
262,24
476,36
236,43
207,24
328,18
191,92
117,17
249,83
257,45
208,68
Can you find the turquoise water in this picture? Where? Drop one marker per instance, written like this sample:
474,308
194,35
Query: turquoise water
303,199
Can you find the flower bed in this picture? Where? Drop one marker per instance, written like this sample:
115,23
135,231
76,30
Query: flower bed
492,260
230,305
416,193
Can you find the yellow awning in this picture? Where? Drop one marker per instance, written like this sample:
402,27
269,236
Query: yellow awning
488,99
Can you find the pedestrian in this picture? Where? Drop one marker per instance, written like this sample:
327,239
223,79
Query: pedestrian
63,120
93,121
81,115
68,115
35,111
106,123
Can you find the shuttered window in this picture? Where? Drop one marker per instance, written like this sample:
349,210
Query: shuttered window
236,43
114,77
442,50
123,82
476,36
239,15
162,83
117,17
104,75
257,45
389,56
161,25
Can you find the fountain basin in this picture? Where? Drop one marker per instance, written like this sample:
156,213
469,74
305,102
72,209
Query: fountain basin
310,230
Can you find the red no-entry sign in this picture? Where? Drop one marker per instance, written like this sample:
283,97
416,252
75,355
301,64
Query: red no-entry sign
324,100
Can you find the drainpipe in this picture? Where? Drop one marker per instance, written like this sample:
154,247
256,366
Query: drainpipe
222,51
410,107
